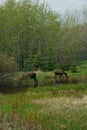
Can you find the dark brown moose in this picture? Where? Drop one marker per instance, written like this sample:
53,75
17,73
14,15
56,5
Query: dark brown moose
32,75
60,76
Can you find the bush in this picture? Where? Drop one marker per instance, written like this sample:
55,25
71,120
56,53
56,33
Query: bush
73,69
65,66
8,67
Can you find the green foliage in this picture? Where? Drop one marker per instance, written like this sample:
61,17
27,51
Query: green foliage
8,67
27,27
38,38
73,69
37,61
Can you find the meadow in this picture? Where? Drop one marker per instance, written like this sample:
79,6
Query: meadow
50,106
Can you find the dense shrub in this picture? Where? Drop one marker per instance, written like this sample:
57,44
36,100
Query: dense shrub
8,67
73,69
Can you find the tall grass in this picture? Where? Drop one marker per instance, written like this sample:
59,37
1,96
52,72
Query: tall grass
45,108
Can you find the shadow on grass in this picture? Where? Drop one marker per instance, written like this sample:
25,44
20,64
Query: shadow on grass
13,90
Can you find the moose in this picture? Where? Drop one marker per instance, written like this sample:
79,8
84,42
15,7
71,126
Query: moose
32,75
60,76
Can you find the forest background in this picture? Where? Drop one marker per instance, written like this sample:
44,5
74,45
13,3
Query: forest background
36,38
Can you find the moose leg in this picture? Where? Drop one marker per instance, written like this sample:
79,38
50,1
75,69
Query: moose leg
64,77
35,83
57,78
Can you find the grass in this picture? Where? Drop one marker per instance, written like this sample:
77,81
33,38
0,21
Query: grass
47,108
50,106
